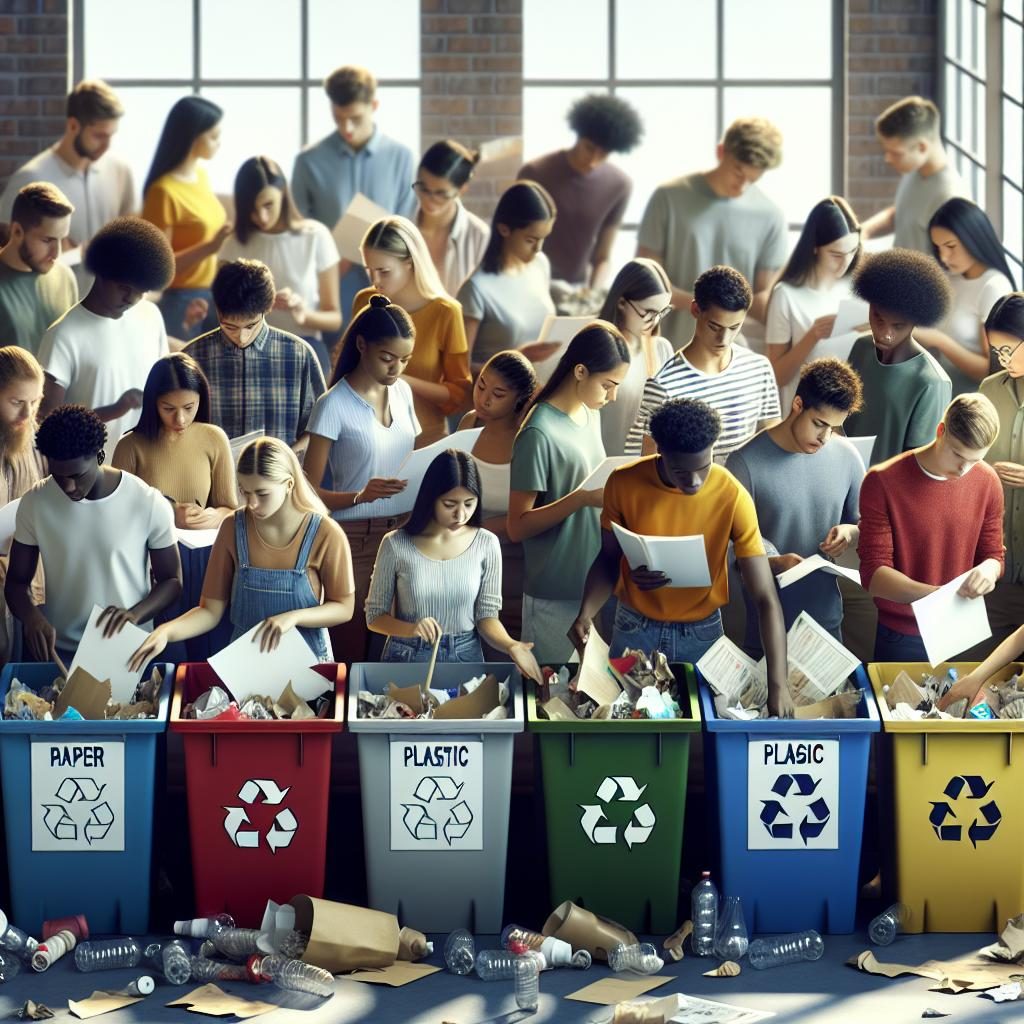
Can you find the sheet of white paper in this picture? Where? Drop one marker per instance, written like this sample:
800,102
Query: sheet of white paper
819,656
108,659
416,463
599,477
815,563
683,560
729,671
865,446
949,623
561,329
594,679
197,538
851,315
694,1010
353,224
8,515
836,347
244,670
238,443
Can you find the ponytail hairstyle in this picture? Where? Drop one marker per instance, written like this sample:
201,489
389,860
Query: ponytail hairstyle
521,204
450,160
450,469
1006,316
638,279
175,372
598,347
974,231
272,459
256,174
517,372
399,237
828,220
379,321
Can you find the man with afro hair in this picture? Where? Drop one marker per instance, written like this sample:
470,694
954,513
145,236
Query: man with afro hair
679,492
905,388
99,353
105,538
590,193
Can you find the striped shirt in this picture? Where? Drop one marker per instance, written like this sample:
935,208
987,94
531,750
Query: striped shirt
457,592
744,394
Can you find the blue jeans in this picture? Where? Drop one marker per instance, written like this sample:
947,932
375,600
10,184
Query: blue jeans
893,646
678,641
464,647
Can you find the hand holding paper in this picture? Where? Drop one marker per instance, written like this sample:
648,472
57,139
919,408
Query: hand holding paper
107,657
683,560
950,623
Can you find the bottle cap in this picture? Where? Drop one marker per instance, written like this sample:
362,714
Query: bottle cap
143,984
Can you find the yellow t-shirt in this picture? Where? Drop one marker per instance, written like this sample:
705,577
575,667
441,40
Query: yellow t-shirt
721,510
194,214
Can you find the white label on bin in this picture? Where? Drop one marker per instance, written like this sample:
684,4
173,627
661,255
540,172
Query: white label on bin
77,796
437,791
793,794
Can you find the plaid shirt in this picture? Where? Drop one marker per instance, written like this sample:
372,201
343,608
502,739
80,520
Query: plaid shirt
271,384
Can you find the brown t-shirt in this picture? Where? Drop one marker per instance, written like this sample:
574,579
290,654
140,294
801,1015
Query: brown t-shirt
330,560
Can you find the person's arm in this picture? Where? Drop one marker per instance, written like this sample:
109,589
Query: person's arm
788,360
195,622
472,325
380,599
879,224
187,258
681,299
600,260
328,316
525,521
165,565
600,582
54,395
39,635
968,687
973,364
315,465
760,585
519,652
764,281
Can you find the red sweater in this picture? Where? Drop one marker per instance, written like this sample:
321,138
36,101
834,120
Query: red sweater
929,530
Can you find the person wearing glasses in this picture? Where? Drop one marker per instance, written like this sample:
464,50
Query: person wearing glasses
455,237
736,382
639,299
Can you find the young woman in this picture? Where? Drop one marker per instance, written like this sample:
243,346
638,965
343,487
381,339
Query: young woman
278,562
803,305
455,237
399,265
176,449
438,578
967,245
301,254
506,300
558,446
178,199
364,427
639,298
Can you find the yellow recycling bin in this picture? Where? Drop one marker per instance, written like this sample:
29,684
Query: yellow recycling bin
952,798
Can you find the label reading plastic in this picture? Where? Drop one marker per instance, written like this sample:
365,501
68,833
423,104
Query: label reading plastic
77,796
793,794
437,794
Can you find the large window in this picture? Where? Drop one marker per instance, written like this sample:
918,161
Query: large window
1011,114
263,61
690,67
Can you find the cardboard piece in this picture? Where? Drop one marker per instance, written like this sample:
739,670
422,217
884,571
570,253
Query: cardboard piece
609,991
343,937
1010,946
558,711
473,705
409,695
107,657
841,705
100,1002
86,694
904,691
215,1002
583,929
971,973
400,973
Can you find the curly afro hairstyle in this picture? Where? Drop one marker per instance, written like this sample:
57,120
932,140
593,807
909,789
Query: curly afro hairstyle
71,432
905,282
131,251
685,426
607,121
830,383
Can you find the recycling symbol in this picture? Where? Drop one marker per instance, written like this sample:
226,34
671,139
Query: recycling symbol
986,817
797,794
640,825
283,828
444,790
68,819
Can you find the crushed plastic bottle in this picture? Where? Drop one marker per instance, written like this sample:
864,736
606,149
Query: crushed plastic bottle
53,949
704,914
785,949
296,976
460,952
10,966
176,963
15,941
527,982
107,954
884,927
203,927
234,943
292,944
640,957
216,970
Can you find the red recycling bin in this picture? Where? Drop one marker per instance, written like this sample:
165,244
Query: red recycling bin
257,801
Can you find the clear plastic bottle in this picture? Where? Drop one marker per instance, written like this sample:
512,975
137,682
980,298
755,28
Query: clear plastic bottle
731,938
10,966
53,949
203,927
557,952
883,928
107,954
785,949
640,957
499,964
581,960
460,952
15,941
296,976
293,944
527,981
235,943
176,963
214,970
704,914
517,933
143,985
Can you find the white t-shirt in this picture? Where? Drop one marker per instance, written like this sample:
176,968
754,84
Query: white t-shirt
295,259
972,303
93,552
97,359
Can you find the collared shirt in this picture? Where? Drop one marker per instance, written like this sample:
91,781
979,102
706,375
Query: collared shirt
467,240
1002,390
270,385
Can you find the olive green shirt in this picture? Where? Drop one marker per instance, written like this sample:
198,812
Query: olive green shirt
1007,395
30,302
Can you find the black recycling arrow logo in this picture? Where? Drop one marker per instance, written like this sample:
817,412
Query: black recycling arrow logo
815,814
986,817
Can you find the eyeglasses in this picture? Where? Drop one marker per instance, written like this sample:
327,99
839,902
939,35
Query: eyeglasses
650,316
433,193
1004,353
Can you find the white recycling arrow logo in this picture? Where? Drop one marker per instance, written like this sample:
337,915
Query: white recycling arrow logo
283,828
641,824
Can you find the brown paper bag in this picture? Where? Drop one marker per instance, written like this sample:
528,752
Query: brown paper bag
343,937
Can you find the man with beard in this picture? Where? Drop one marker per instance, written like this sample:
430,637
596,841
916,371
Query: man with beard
35,288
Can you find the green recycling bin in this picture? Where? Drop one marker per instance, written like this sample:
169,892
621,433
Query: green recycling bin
614,800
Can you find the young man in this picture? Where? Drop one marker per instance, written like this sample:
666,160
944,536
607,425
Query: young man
100,534
911,140
719,217
97,182
355,158
736,382
100,352
682,492
35,288
261,378
905,388
591,194
926,517
805,481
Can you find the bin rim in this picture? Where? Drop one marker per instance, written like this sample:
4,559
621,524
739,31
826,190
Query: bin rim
956,726
631,726
263,727
97,727
869,722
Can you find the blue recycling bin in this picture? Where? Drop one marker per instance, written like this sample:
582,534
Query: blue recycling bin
789,798
78,810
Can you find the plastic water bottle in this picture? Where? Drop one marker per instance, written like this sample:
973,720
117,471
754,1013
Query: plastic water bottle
10,966
53,949
500,964
143,985
235,943
527,980
557,952
460,952
203,927
107,955
177,965
883,928
14,940
296,976
640,957
293,944
704,914
785,949
214,970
